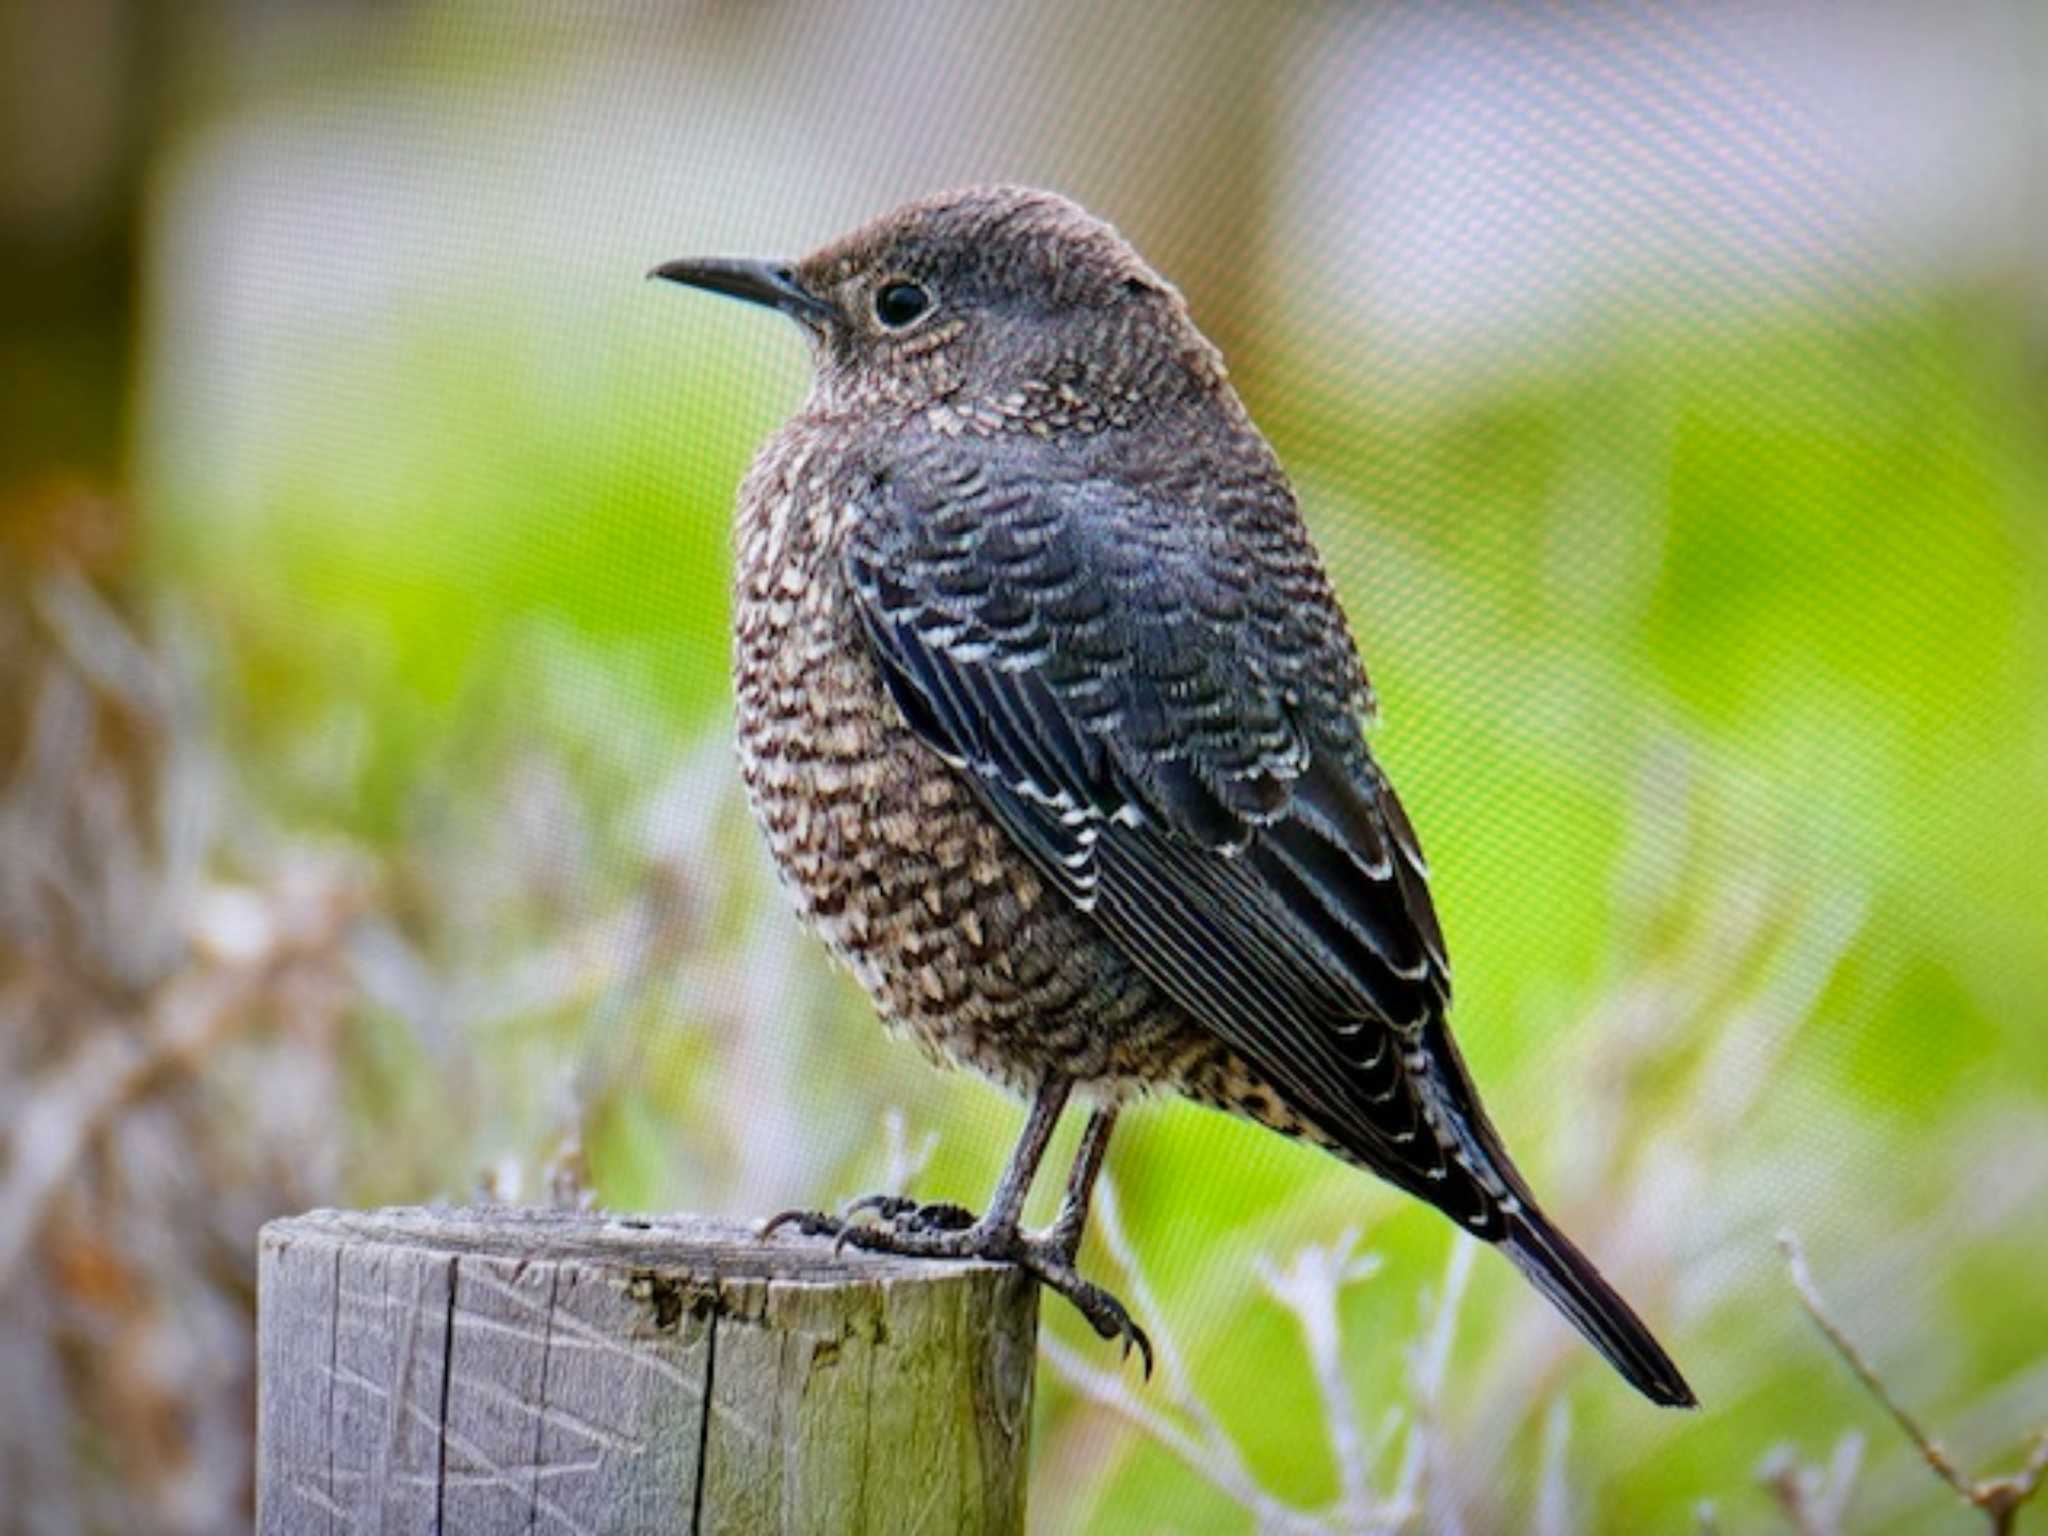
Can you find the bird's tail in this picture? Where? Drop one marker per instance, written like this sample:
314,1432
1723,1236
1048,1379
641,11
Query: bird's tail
1550,1260
1578,1290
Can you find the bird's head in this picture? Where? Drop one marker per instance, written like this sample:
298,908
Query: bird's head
1006,305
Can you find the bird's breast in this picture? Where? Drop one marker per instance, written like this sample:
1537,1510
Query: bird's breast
880,844
883,847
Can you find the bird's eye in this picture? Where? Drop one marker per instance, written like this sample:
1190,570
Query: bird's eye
897,304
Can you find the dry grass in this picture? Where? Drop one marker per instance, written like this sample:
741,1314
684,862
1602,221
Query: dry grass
173,988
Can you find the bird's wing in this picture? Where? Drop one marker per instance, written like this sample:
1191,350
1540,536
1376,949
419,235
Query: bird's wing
1155,694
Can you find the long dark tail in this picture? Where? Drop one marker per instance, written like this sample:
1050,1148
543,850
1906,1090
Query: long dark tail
1565,1275
1551,1260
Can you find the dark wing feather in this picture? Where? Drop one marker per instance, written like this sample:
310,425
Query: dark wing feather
1161,706
1148,683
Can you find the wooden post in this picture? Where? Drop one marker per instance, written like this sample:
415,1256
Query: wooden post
506,1370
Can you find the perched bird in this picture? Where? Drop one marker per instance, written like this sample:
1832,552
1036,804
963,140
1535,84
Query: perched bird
1053,725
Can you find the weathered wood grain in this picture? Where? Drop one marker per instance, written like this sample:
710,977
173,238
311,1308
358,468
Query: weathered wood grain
508,1370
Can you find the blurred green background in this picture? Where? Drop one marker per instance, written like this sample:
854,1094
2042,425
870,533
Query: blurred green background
1666,388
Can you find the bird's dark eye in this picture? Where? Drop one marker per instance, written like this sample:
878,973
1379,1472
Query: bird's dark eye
897,304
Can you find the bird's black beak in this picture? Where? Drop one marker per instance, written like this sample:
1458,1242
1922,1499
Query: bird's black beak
772,283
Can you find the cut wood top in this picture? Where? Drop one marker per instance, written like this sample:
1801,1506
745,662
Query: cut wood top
708,1245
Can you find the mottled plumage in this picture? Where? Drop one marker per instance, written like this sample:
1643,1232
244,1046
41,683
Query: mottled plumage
1054,727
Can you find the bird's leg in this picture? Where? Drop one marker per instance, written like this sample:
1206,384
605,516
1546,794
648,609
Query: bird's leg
1064,1235
1049,1255
948,1232
1006,1205
944,1230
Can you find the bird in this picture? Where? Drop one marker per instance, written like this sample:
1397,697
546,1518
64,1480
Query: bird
1054,726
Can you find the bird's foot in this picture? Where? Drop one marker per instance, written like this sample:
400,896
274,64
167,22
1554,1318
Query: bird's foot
896,1215
944,1231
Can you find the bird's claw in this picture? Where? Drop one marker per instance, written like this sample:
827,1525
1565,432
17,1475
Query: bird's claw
809,1223
1110,1318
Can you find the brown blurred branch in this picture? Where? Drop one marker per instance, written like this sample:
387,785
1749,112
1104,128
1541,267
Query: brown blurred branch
1815,1500
2000,1498
74,1101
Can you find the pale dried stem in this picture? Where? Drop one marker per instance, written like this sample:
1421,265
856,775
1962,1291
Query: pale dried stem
1197,1451
1310,1288
1175,1417
1999,1499
1554,1495
1816,1308
1172,1364
905,1163
1423,1458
